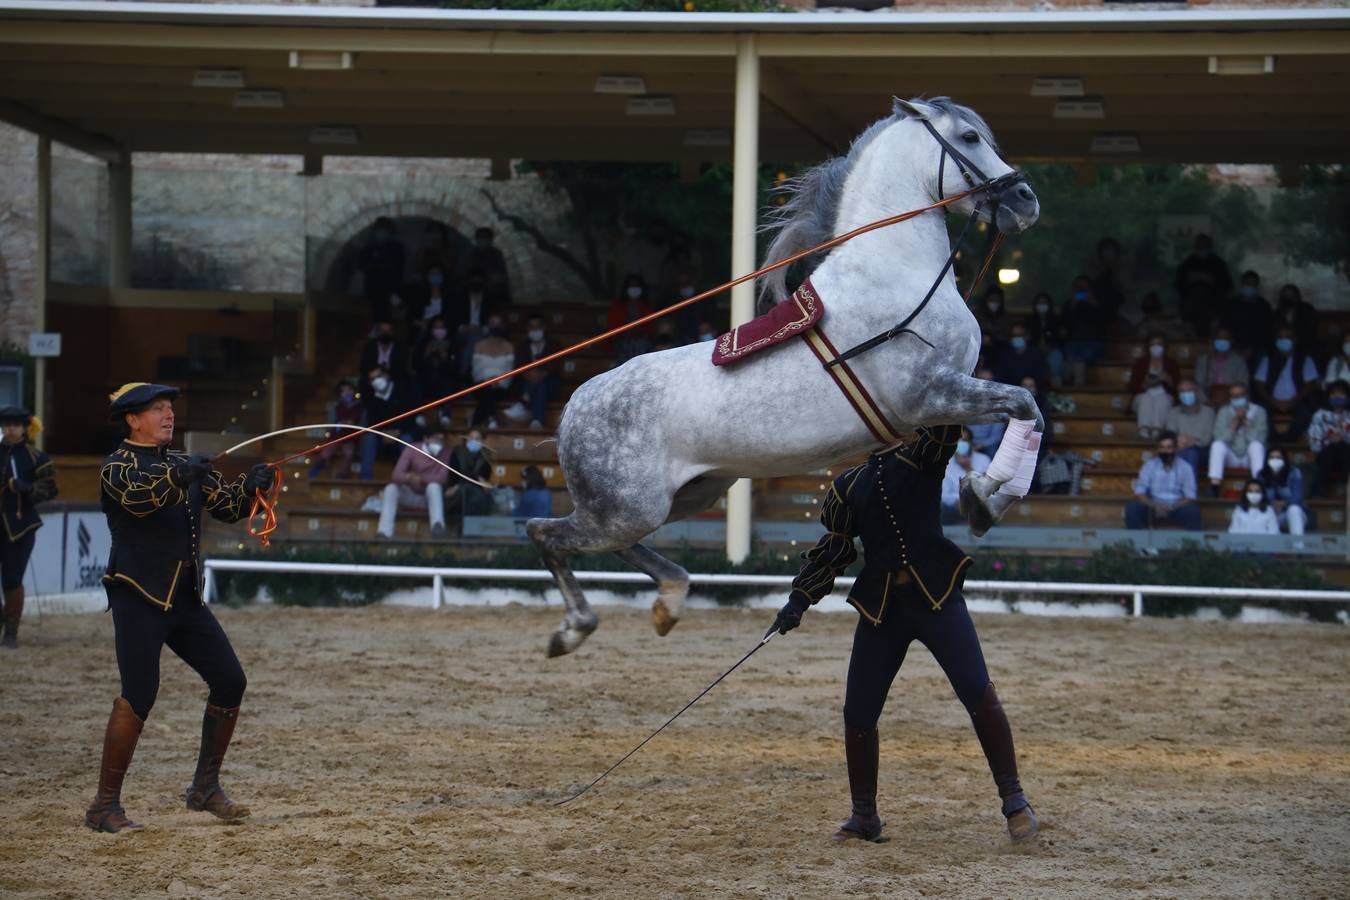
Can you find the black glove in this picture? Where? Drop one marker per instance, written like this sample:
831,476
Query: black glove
192,469
259,479
790,616
19,486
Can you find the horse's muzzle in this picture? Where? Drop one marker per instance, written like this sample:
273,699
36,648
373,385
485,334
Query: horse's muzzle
1018,208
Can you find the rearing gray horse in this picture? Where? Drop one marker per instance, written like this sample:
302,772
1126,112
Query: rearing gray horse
661,437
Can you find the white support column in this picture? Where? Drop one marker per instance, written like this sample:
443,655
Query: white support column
119,223
44,270
744,203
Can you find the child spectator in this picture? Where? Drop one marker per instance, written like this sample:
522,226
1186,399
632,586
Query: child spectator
417,482
631,304
536,500
1253,515
1329,438
1152,380
1286,382
473,459
1284,489
1240,432
346,410
1216,372
966,460
493,355
1193,423
1165,490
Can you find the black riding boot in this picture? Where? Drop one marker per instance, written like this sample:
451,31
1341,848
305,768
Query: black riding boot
205,793
862,751
991,727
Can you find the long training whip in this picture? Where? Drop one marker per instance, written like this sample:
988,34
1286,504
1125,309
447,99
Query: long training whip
764,640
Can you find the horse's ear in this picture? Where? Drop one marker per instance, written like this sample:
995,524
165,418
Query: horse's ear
911,109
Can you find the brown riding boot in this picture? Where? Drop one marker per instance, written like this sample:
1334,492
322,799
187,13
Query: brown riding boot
119,743
205,792
991,727
13,612
862,751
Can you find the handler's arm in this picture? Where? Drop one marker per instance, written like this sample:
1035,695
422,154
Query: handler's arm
226,501
140,491
834,552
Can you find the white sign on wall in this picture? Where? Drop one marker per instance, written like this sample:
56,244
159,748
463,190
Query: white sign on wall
88,543
44,344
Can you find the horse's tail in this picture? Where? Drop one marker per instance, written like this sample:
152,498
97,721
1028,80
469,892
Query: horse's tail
802,217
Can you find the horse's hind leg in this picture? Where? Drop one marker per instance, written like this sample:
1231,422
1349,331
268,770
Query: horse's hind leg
672,584
558,540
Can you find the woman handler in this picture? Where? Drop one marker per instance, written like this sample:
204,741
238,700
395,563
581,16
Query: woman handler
909,589
27,478
154,498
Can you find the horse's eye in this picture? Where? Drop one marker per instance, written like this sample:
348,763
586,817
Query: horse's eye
970,137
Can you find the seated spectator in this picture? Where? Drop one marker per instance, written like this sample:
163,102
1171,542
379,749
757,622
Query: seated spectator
1192,422
985,438
1153,379
1085,330
1219,370
1338,367
385,398
473,459
345,410
1241,429
1020,360
1253,514
1293,311
1249,317
1165,490
1202,283
417,482
468,316
632,304
965,461
386,351
1059,471
431,301
493,355
1286,382
1284,488
1329,438
435,366
992,314
536,500
540,386
1045,333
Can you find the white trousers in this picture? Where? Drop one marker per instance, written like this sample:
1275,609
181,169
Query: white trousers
1296,519
1220,456
432,499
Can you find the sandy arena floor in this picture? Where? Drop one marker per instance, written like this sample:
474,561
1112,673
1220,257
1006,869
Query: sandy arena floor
407,753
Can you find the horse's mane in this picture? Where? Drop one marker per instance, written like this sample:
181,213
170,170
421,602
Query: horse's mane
809,213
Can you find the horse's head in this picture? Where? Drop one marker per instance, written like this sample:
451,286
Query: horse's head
965,156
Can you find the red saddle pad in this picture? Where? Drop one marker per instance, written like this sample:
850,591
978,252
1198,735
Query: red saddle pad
792,317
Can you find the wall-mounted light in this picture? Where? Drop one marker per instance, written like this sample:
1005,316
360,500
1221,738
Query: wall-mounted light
1241,65
1009,276
322,59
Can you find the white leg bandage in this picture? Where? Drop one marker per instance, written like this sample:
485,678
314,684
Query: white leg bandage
1020,484
1008,457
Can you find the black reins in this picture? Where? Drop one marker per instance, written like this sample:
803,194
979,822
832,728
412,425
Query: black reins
991,187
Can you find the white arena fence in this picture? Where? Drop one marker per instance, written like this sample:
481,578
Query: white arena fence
439,575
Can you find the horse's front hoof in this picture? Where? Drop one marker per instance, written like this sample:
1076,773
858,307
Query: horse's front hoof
661,617
974,508
562,643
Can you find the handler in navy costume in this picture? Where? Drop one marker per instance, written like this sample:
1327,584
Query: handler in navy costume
154,498
909,589
27,478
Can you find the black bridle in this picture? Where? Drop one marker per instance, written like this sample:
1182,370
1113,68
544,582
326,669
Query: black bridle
978,183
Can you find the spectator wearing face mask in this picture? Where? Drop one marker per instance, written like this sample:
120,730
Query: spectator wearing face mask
1286,381
1253,515
436,367
1249,317
992,314
536,500
967,460
385,351
384,398
1046,334
344,410
985,438
1293,311
1085,328
541,385
1192,421
1329,438
432,298
1241,429
493,355
632,304
1202,283
473,459
417,482
1020,359
1153,380
468,316
1220,369
1164,491
1284,490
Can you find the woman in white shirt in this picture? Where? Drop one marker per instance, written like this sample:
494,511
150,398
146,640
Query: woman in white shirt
1253,515
1338,368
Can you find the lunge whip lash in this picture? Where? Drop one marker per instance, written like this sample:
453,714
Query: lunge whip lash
764,640
265,500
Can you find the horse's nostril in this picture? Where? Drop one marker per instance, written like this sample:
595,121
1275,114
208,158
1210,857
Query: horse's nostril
1025,193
